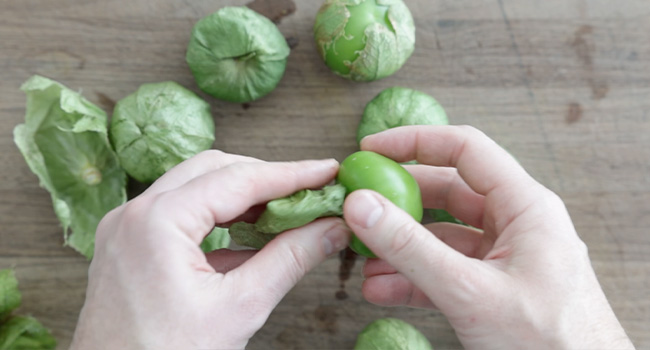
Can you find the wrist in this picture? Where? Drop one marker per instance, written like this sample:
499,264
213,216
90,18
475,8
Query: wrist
597,327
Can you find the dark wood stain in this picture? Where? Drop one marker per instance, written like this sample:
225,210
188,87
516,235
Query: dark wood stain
326,318
292,41
574,113
104,101
582,47
599,89
348,258
275,10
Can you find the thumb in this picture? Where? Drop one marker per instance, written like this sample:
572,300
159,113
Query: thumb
442,273
287,258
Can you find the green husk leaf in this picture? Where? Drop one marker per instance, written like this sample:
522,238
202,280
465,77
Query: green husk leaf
288,213
441,215
301,208
25,333
330,23
217,239
64,141
9,294
247,235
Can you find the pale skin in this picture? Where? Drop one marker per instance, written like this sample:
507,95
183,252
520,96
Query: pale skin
151,287
521,280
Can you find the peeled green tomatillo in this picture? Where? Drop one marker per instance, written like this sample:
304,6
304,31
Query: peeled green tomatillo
237,55
399,106
364,40
372,171
159,126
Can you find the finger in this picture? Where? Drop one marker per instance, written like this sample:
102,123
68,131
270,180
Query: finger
486,167
374,267
443,188
287,258
395,237
198,165
465,240
220,196
224,260
394,290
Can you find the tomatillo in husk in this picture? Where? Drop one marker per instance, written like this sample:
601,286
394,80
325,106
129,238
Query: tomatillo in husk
237,55
364,40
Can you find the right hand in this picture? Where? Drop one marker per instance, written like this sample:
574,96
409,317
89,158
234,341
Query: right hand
522,280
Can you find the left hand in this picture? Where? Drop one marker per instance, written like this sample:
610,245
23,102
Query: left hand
150,285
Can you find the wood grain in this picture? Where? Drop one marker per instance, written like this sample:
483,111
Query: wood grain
564,85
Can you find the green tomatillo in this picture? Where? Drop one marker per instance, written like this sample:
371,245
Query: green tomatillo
361,170
237,55
364,40
372,171
398,106
159,126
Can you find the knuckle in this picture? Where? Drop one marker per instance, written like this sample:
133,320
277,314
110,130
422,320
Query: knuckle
298,261
551,198
404,239
210,155
104,231
582,249
137,208
550,202
291,175
135,211
471,130
113,231
245,185
468,286
253,307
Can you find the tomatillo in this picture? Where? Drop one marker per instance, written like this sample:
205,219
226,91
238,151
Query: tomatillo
399,106
159,126
237,55
391,333
372,171
364,40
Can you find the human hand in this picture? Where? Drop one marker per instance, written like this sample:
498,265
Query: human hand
523,281
150,285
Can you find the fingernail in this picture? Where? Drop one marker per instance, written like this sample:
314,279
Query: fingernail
363,141
367,210
336,239
327,163
318,166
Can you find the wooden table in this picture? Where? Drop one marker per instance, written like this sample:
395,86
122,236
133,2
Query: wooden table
563,84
